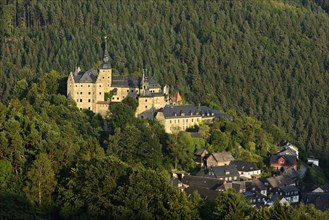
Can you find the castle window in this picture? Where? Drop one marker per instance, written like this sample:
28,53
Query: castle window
80,108
118,98
178,120
77,100
186,120
170,121
100,93
192,119
88,85
103,77
81,85
88,100
108,76
88,108
145,100
132,90
80,100
112,98
89,93
80,93
108,85
145,106
127,90
123,97
100,85
76,85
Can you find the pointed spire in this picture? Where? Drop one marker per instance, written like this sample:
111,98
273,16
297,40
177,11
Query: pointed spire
106,53
106,64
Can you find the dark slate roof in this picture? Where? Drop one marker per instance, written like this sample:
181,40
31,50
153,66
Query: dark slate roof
125,81
153,83
206,194
151,94
195,135
276,182
86,77
201,182
289,189
288,151
320,200
223,156
280,181
190,110
199,152
225,171
255,185
290,160
291,173
244,166
255,197
308,187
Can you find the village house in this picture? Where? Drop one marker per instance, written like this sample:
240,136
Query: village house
219,159
286,148
200,155
237,186
246,169
255,185
256,199
280,162
226,173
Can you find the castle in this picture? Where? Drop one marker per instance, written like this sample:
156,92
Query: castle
97,89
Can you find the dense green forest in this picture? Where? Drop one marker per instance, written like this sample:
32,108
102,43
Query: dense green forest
60,162
264,62
267,59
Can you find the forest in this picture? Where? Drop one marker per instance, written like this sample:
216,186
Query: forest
264,62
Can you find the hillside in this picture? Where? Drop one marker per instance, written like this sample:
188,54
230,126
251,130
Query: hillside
266,63
267,59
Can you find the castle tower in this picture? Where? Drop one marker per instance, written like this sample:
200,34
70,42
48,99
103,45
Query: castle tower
104,79
145,84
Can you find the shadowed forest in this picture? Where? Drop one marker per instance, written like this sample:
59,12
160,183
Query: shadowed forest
264,62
